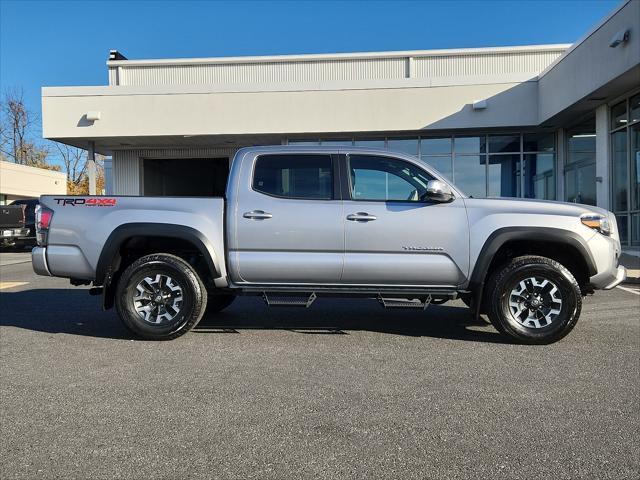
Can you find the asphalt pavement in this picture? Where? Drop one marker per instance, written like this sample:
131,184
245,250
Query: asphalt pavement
344,389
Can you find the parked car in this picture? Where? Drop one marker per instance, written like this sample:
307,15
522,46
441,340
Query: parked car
12,225
30,221
301,222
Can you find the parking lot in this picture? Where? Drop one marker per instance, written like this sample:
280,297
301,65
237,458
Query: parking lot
342,390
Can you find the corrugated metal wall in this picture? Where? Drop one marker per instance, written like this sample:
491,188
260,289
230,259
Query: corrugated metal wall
127,164
256,73
488,64
380,68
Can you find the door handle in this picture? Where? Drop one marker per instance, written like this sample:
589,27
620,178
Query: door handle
361,217
257,215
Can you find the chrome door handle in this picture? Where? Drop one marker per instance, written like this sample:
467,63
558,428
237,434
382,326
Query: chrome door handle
257,215
361,217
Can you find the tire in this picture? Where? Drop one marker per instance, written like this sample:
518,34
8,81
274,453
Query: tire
534,300
176,311
217,303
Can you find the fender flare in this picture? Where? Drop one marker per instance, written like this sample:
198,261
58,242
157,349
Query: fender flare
110,250
507,234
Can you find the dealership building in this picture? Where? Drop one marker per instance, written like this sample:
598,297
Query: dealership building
558,122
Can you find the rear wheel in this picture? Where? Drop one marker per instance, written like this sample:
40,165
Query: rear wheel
160,297
534,300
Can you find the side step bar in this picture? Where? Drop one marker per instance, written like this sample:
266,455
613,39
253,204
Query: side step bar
275,300
419,303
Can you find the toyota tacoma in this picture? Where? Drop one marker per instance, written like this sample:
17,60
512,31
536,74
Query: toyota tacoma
297,223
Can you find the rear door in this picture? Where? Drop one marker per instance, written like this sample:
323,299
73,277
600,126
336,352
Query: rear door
394,235
288,221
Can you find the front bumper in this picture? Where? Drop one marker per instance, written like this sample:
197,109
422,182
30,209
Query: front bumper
620,276
39,261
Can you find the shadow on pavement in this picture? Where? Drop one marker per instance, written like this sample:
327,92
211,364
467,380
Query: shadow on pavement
77,313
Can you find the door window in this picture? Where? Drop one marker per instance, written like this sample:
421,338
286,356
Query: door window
386,179
294,176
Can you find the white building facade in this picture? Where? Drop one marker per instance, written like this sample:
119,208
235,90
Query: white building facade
20,182
559,122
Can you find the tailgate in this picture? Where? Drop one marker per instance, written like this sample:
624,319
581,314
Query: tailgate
12,216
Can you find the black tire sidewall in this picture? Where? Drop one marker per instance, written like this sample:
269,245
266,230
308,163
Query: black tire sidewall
571,302
182,274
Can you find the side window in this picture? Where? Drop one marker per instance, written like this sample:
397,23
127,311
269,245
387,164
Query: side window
294,176
386,179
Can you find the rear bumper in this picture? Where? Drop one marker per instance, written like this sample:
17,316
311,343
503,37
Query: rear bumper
14,233
39,261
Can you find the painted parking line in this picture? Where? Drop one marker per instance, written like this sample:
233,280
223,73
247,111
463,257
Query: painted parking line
4,285
635,291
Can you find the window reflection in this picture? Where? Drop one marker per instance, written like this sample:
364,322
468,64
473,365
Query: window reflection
404,145
504,175
435,146
504,143
470,174
539,178
441,163
469,145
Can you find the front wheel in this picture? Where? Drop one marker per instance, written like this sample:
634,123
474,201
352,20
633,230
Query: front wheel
534,300
160,297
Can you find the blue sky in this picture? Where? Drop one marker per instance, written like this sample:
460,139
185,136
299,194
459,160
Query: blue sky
51,43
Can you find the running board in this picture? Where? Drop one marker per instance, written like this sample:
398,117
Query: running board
417,303
288,300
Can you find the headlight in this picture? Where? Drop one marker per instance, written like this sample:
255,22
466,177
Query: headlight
597,222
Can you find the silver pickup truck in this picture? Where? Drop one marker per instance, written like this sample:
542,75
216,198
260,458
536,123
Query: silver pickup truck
301,222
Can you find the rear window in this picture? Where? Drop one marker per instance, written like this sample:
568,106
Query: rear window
294,176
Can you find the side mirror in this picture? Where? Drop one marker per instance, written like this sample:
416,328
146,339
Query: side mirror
439,191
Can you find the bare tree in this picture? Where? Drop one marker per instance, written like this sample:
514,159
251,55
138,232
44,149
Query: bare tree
16,122
74,162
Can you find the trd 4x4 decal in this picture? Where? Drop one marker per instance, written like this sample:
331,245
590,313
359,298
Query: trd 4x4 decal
87,202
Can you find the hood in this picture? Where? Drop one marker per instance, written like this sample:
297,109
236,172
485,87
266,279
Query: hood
528,205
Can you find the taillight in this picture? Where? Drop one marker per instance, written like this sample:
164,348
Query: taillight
43,220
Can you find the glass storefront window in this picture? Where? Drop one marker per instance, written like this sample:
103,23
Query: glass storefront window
619,162
504,143
634,109
619,115
635,168
404,145
371,142
504,176
339,142
442,163
581,184
303,142
539,176
635,229
469,145
539,142
470,174
623,227
580,168
435,146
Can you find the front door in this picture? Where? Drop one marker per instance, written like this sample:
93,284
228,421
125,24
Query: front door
288,224
393,234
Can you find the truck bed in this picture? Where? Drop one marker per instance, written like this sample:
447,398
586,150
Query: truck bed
82,226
